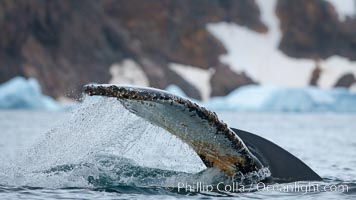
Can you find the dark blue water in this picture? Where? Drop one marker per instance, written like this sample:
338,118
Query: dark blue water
103,152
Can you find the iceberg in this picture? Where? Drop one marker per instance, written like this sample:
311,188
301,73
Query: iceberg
257,98
21,93
174,89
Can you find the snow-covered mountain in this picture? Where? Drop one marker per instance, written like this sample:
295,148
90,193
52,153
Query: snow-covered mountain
206,48
259,55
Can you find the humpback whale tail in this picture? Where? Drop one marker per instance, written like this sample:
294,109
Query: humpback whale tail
241,155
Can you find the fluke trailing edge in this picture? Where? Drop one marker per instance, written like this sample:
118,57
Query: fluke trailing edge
238,153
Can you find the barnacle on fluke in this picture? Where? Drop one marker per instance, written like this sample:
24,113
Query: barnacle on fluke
217,145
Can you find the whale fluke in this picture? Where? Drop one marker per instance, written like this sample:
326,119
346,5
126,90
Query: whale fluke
215,143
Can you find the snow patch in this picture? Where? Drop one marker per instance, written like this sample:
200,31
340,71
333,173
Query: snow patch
344,8
333,69
353,87
128,72
258,54
199,78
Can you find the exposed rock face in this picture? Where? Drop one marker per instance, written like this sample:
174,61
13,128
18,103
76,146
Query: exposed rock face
65,44
311,29
60,43
224,81
346,81
175,30
315,76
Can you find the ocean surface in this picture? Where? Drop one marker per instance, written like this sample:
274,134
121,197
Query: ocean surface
101,151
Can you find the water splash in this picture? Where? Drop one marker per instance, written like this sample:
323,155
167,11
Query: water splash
100,128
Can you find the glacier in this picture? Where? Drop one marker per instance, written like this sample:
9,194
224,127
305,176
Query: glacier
174,89
259,98
21,93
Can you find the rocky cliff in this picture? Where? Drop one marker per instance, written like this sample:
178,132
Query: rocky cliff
313,29
65,44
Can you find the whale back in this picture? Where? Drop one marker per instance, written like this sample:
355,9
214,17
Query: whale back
283,166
